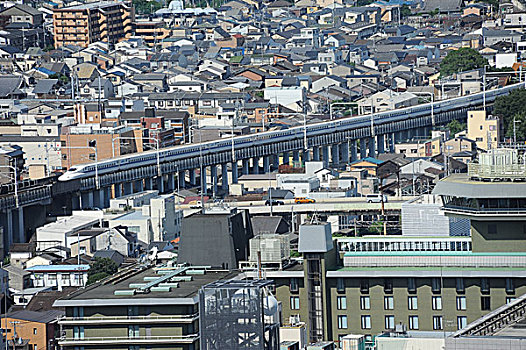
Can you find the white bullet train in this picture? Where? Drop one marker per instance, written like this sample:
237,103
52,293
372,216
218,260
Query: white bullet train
175,153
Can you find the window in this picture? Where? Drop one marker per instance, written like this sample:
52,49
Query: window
78,312
92,156
436,285
294,303
484,285
78,332
389,322
461,303
460,285
34,331
412,303
365,303
133,311
294,287
340,285
510,289
492,229
364,286
133,332
388,303
388,285
436,302
413,322
509,299
64,279
342,321
341,303
411,285
462,321
52,279
366,322
437,322
485,303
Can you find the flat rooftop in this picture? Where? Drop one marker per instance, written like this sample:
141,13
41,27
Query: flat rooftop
460,185
103,293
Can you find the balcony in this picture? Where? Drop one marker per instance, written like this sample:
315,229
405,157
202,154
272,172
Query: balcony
144,340
81,321
489,213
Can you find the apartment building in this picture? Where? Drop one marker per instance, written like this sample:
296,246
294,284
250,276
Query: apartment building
152,32
81,25
32,329
486,130
155,307
370,292
86,143
369,285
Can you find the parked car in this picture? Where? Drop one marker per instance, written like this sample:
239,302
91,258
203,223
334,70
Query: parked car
375,198
274,202
302,200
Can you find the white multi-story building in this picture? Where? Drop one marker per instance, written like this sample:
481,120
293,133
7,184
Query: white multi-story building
59,276
159,220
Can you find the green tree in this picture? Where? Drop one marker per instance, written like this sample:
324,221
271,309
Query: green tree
405,11
461,60
101,268
377,227
455,126
520,127
509,107
145,7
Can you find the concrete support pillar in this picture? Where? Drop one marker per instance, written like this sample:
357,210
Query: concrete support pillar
372,147
305,156
148,183
325,155
392,142
191,176
274,162
99,198
91,199
213,176
354,150
266,164
75,203
380,143
295,158
255,165
171,182
224,176
117,189
9,226
245,169
107,197
286,158
316,153
363,148
411,133
18,225
344,153
138,186
335,155
160,184
127,188
234,173
181,179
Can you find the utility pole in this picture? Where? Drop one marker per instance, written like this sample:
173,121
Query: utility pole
14,323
